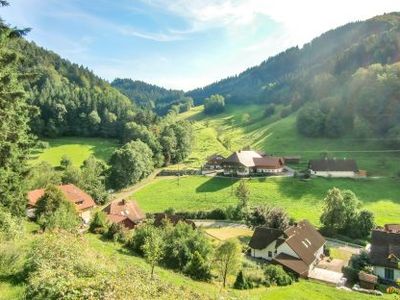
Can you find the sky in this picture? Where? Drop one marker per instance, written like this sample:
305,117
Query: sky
180,44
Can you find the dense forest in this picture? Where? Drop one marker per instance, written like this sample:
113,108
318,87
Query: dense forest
340,81
153,97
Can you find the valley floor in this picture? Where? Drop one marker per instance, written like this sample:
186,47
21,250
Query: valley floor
302,199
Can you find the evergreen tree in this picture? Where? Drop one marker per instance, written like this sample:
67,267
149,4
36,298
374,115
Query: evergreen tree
14,117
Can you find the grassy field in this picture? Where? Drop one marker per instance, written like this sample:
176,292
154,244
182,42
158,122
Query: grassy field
245,125
302,199
226,233
77,149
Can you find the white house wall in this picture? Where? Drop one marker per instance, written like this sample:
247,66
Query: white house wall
285,248
333,174
380,272
263,253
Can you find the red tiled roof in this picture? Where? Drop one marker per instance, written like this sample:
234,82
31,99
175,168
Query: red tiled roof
71,192
122,210
269,162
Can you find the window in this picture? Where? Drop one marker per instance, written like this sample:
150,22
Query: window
269,253
389,274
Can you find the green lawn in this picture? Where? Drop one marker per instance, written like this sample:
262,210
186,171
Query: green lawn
302,199
232,130
77,149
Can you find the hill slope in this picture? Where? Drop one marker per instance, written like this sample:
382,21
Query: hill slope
339,52
153,97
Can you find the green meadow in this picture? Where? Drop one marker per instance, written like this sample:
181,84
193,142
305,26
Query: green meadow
241,126
76,148
302,199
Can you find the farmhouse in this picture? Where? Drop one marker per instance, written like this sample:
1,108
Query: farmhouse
214,162
298,248
83,202
385,252
333,167
125,213
246,162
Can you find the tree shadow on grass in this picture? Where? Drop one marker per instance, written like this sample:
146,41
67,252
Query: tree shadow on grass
215,184
104,151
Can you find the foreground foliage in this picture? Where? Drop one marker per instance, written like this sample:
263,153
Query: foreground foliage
62,266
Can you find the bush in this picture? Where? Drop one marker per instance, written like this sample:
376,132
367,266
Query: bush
10,227
241,282
275,275
99,223
359,262
351,274
198,268
42,145
269,110
117,233
217,214
327,251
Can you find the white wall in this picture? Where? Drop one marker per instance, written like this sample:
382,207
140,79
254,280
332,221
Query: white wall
285,248
262,170
86,215
333,174
380,271
263,253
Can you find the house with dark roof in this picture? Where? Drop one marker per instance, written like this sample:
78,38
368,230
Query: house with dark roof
126,213
385,252
214,162
298,248
246,162
333,167
83,202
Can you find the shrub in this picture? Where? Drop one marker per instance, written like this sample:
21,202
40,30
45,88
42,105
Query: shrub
117,233
65,161
241,282
99,223
275,274
198,268
10,227
351,274
359,262
217,214
327,251
269,110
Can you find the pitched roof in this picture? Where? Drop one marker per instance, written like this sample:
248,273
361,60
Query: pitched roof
292,263
121,210
71,192
344,165
243,157
263,236
305,240
269,162
215,158
385,248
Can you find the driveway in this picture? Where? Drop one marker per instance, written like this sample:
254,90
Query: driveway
326,276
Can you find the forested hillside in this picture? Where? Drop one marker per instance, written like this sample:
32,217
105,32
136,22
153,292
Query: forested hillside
153,97
344,80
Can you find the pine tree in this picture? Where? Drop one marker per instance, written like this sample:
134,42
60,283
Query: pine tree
14,115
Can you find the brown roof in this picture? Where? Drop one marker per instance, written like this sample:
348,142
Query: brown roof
392,227
263,236
385,248
292,263
363,276
71,192
159,218
305,240
124,212
269,162
339,165
215,159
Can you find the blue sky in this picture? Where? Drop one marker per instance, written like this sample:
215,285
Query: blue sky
184,43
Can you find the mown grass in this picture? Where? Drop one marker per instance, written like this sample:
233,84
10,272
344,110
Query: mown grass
233,130
76,148
302,199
